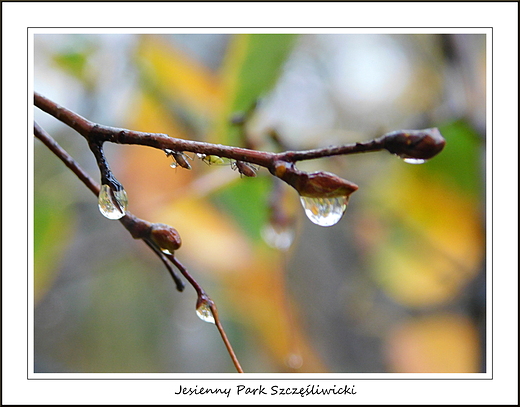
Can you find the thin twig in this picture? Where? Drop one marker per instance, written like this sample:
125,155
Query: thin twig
414,144
202,296
346,149
225,338
178,282
138,228
46,139
93,131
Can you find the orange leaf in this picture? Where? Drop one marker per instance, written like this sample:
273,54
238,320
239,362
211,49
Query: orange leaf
435,344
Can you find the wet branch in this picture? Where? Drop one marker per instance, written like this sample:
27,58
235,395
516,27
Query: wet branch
154,235
318,189
204,300
98,133
46,139
414,144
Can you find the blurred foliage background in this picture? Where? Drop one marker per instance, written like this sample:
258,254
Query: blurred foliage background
398,285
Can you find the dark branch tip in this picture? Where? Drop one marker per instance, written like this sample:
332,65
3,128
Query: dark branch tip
319,184
165,237
420,144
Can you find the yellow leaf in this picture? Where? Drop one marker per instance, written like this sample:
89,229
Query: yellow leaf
425,239
145,172
209,239
441,343
179,75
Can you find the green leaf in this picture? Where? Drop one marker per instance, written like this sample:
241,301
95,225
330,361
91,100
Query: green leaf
254,64
246,201
74,63
461,161
425,239
53,227
261,66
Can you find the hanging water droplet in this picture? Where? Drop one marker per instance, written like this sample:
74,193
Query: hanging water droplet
112,204
414,160
324,211
204,312
278,237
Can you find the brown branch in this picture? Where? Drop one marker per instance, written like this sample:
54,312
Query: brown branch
100,133
362,147
203,298
419,144
163,239
46,139
225,338
92,131
71,119
178,282
154,235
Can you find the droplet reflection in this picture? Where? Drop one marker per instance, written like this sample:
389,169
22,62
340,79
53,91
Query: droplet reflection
204,312
414,160
112,204
324,211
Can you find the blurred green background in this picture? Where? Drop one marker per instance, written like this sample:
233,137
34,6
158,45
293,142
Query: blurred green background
398,285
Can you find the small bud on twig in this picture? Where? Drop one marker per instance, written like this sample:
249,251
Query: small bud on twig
165,237
320,184
323,195
419,144
324,185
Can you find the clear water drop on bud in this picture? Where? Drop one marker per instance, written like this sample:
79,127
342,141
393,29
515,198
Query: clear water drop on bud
323,195
324,211
112,204
204,311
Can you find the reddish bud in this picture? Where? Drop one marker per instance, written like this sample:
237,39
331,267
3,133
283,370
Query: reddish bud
420,144
316,184
165,237
324,185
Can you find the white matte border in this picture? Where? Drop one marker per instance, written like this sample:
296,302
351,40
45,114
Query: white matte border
409,17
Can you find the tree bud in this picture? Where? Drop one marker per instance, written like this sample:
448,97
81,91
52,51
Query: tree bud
165,237
420,144
320,184
324,185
